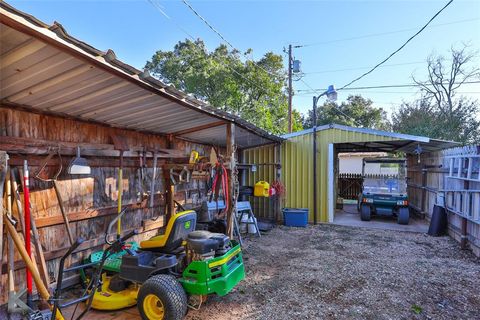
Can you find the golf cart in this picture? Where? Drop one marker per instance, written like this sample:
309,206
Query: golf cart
169,272
384,194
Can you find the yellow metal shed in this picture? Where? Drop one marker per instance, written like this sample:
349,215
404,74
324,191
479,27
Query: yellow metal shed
297,163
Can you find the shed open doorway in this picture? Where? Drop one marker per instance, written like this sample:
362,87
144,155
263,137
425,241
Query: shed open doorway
347,172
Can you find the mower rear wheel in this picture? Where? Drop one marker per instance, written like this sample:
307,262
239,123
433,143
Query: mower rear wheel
403,215
162,297
365,212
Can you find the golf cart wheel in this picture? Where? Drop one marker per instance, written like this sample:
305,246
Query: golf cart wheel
403,215
365,212
162,297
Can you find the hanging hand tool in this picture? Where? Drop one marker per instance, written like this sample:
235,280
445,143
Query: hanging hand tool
15,303
56,188
120,143
154,177
36,237
26,201
42,290
183,176
142,156
3,176
220,177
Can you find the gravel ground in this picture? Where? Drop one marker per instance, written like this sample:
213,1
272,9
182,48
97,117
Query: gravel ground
335,272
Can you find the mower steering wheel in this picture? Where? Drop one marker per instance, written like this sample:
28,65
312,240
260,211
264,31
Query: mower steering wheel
182,208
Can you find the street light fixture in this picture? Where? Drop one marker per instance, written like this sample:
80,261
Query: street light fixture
331,94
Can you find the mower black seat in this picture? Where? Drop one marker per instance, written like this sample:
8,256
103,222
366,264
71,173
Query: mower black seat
203,242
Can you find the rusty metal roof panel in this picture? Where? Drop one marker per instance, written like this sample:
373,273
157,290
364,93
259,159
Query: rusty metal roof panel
43,67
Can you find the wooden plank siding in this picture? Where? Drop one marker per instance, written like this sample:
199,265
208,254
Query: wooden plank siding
429,177
90,201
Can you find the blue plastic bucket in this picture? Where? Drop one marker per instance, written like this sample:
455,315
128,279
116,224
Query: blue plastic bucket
295,217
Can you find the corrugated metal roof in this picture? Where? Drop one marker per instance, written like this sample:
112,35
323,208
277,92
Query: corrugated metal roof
44,68
398,141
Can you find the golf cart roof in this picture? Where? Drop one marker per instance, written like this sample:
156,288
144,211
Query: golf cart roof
384,160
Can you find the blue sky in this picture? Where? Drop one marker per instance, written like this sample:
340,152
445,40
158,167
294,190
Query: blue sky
135,30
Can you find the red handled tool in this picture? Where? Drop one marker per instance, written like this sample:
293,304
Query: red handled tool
26,199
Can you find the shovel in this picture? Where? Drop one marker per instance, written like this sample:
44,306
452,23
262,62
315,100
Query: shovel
79,165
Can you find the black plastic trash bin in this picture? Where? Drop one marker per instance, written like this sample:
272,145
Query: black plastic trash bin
439,222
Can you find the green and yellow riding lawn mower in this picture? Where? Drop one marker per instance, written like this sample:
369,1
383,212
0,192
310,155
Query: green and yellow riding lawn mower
384,189
170,272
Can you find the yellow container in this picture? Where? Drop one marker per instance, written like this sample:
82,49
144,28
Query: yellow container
193,157
261,189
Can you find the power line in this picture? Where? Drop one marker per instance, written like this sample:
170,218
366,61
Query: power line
360,68
160,9
400,48
412,85
306,94
381,34
207,23
211,27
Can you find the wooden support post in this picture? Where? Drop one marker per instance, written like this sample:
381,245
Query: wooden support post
169,186
232,177
424,191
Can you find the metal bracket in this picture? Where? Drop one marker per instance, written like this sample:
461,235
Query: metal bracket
183,176
15,303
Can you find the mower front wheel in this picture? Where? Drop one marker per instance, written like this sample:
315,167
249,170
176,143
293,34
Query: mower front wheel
162,297
365,212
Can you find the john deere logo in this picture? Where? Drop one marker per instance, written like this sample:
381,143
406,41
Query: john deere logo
187,225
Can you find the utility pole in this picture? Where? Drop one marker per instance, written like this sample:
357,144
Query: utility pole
290,67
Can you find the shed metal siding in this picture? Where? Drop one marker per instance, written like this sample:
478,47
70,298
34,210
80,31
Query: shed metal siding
297,169
262,207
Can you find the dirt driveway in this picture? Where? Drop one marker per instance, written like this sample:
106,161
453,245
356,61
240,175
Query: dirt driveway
336,272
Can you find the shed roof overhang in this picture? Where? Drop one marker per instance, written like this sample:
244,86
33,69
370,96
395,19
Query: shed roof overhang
44,69
399,142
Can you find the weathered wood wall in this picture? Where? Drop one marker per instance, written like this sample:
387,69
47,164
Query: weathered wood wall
90,201
429,177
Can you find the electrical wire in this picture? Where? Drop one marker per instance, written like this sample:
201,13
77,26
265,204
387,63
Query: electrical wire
380,87
360,68
381,34
209,25
162,11
400,48
394,92
336,108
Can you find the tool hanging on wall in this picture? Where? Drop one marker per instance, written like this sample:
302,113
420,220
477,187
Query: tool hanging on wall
220,179
154,177
142,194
36,239
31,267
15,301
120,144
79,165
3,178
56,188
26,201
182,177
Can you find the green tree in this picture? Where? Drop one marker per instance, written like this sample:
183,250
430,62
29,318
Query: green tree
441,112
253,91
355,111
